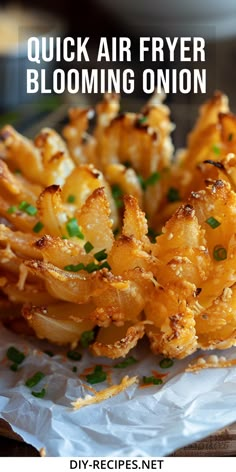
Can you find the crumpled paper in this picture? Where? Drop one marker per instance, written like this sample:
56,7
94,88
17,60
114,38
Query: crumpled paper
152,421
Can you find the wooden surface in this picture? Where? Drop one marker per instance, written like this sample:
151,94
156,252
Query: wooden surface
220,444
11,445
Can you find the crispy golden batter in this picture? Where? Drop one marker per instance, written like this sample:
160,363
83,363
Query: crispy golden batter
79,249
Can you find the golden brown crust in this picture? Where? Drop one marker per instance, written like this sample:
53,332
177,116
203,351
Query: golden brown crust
121,177
123,346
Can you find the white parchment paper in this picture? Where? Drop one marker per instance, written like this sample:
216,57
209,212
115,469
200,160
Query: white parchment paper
153,421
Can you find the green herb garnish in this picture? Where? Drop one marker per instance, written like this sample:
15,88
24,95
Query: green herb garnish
126,363
37,228
100,255
35,379
166,363
97,376
88,247
173,195
151,380
23,205
92,267
71,199
27,208
216,149
40,394
142,120
212,222
75,268
230,137
87,338
74,229
15,356
152,179
74,369
105,265
219,253
14,367
74,355
31,210
12,209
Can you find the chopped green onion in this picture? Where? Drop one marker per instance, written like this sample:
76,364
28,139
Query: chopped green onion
75,268
37,228
126,363
74,355
15,356
12,209
97,376
216,149
212,222
92,267
219,253
14,367
142,120
105,265
71,199
74,229
230,137
40,394
88,247
151,380
152,179
117,195
74,369
173,195
64,237
31,210
28,208
166,363
17,171
86,338
100,255
35,379
23,205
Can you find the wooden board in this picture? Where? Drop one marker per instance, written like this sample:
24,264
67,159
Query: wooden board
222,443
7,431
